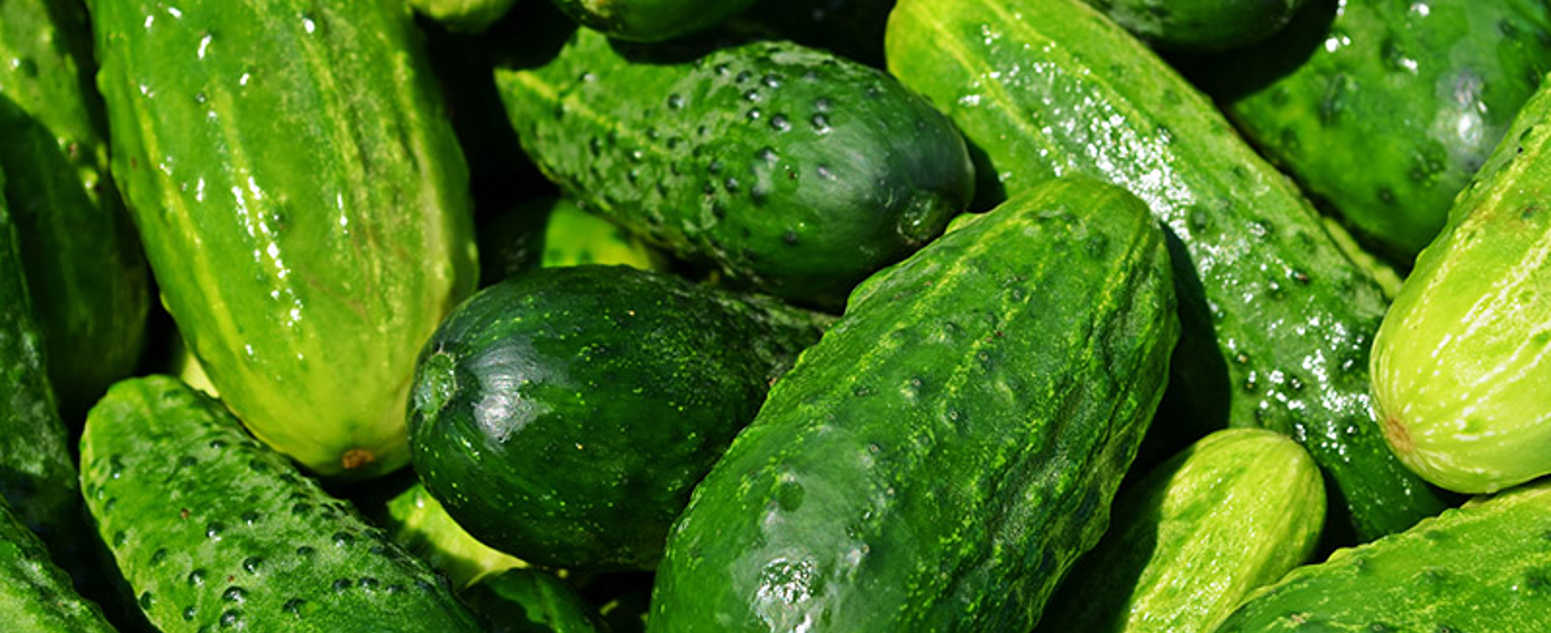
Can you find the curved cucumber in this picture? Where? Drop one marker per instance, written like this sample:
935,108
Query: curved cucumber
213,529
1232,513
283,267
531,601
87,274
1439,81
651,20
1483,567
563,415
1277,320
1200,25
464,16
793,170
941,457
35,595
1462,364
417,521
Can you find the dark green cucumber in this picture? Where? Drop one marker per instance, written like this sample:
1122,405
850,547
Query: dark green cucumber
1483,567
1436,83
1461,369
1200,25
213,529
1232,513
1277,319
464,16
531,601
941,457
793,170
283,267
87,273
563,415
35,595
650,20
417,521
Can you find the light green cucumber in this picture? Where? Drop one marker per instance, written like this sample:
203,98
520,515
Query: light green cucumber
464,16
417,521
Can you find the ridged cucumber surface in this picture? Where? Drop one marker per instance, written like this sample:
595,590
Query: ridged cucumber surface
306,211
941,457
216,531
1277,320
794,170
36,596
1200,25
88,275
531,601
650,20
1462,364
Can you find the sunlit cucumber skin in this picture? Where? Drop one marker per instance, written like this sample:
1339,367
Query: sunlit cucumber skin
1200,25
1462,364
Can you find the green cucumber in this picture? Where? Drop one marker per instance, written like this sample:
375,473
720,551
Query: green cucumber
464,16
212,529
941,457
1439,81
554,231
1200,25
282,267
417,521
793,170
563,415
1461,369
850,28
1277,319
531,601
1482,567
1232,513
651,20
35,595
87,274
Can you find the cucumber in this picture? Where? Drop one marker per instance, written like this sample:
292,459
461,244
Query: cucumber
281,266
464,16
1481,567
1460,366
650,20
531,601
187,368
941,457
1200,25
850,28
563,416
793,170
554,231
417,521
87,274
214,530
1277,320
35,595
1439,81
1232,513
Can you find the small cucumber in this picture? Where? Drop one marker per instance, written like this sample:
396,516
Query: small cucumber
1200,25
1232,513
554,231
1462,364
214,530
651,20
35,595
417,521
464,16
531,601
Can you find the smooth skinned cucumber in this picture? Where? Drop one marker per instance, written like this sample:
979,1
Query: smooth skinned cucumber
1462,364
1200,25
650,20
1439,81
940,458
214,530
563,415
304,281
1482,567
417,521
1277,320
531,601
1232,513
35,595
794,170
86,270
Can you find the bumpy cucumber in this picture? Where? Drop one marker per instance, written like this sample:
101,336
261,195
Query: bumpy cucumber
283,267
1462,364
1438,81
651,20
88,276
941,457
1200,25
531,601
465,16
563,415
1277,320
417,521
1483,567
214,530
35,595
792,169
1232,513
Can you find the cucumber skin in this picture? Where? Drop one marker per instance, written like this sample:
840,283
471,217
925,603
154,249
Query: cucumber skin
1234,512
1200,25
650,20
1277,321
1483,567
1414,79
851,28
1460,370
531,601
464,16
621,387
939,459
36,596
285,266
858,172
84,263
418,521
200,516
554,231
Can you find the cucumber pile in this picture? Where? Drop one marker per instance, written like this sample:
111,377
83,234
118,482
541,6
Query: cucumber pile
822,316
